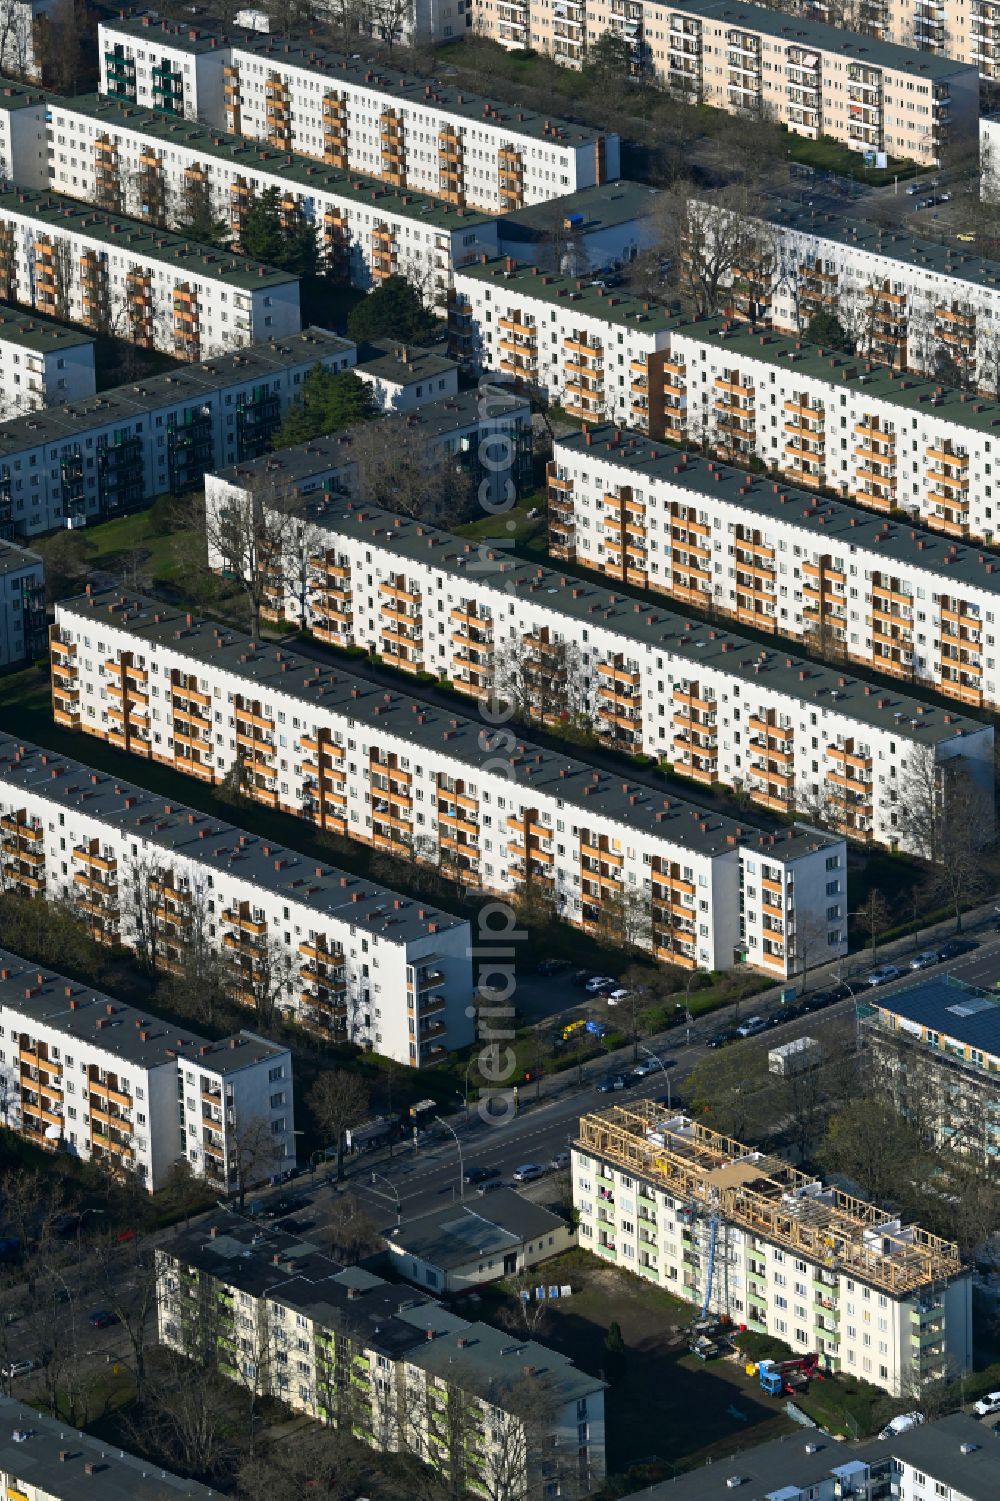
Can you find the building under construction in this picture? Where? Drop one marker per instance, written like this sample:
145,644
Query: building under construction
739,1233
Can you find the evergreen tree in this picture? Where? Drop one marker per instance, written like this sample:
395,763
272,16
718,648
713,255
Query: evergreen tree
614,1353
826,330
393,310
262,237
196,218
329,403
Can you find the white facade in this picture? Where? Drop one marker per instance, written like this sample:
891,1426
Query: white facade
113,452
404,379
360,962
117,275
771,1248
98,1079
402,776
711,704
22,604
42,364
23,152
164,65
599,354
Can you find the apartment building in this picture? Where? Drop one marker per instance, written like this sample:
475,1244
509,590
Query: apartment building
404,1373
367,229
89,1075
394,772
42,1459
601,354
22,39
935,1051
864,589
348,957
22,604
945,27
86,265
884,439
716,707
91,459
170,66
23,151
403,378
771,1248
42,363
484,434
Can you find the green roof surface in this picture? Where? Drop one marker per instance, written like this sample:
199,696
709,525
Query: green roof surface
38,334
583,296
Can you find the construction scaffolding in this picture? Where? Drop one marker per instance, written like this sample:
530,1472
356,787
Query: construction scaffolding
765,1196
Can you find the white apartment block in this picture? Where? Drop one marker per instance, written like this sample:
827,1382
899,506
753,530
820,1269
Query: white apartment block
116,275
400,775
796,736
989,151
884,439
42,364
418,133
346,956
950,28
600,354
877,592
98,457
401,1371
22,604
771,1248
101,1080
817,80
403,378
139,162
24,156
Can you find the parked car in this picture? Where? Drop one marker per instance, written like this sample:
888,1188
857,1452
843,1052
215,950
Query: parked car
19,1368
618,997
599,982
912,189
101,1318
901,1424
647,1066
611,1084
987,1405
884,974
956,946
579,977
481,1174
552,966
925,960
528,1172
490,1187
751,1026
721,1039
559,1161
819,999
292,1226
279,1208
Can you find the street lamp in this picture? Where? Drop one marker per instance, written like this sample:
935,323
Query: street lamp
461,1164
395,1191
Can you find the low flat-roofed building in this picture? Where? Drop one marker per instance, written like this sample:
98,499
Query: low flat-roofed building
935,1051
44,1459
479,1240
604,226
404,377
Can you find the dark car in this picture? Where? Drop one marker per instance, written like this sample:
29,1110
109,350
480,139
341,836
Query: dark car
293,1226
552,966
481,1174
580,977
721,1039
101,1318
611,1085
956,946
822,998
279,1208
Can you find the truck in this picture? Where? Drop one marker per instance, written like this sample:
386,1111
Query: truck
371,1134
779,1376
423,1112
794,1057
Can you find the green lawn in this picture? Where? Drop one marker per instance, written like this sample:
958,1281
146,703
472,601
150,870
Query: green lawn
513,526
113,545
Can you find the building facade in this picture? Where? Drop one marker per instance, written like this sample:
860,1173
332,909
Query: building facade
403,1373
861,588
117,275
602,355
94,1077
935,1052
104,455
23,149
394,772
147,164
717,707
349,958
42,364
707,1217
22,605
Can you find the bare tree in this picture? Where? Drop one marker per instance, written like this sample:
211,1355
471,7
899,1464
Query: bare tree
715,242
254,1154
874,916
125,1273
400,470
246,533
339,1100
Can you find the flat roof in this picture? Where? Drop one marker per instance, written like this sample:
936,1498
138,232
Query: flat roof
38,334
602,206
388,1317
829,522
846,372
48,1456
14,559
644,623
195,383
402,364
953,260
853,45
257,156
136,1036
577,294
417,90
179,830
764,1470
950,1007
594,791
433,421
455,1234
69,215
936,1449
18,95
